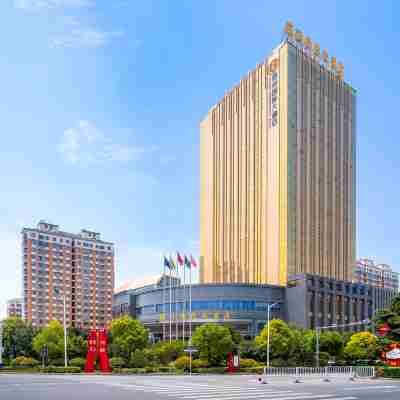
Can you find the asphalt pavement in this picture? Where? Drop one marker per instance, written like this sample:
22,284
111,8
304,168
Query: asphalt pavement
196,387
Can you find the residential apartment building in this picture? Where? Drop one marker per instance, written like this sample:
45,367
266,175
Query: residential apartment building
15,307
277,190
378,275
58,264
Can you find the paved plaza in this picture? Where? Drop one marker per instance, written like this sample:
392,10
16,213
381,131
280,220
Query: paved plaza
97,387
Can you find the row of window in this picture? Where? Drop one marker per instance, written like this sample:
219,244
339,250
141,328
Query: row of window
62,240
200,305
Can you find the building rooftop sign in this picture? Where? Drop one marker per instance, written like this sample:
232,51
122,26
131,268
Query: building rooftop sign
297,38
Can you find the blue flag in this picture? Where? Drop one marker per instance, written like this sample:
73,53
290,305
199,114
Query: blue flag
166,263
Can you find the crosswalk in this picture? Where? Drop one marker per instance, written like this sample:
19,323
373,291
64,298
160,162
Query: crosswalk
217,392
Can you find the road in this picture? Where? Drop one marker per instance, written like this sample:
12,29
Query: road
197,387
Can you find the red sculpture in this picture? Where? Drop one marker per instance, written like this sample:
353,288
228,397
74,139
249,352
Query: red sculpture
97,347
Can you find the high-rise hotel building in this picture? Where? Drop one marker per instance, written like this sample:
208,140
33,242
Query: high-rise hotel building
77,266
278,171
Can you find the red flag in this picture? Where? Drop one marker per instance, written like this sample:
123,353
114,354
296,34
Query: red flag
179,259
193,261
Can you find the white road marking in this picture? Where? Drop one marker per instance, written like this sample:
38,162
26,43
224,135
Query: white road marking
369,387
293,397
244,392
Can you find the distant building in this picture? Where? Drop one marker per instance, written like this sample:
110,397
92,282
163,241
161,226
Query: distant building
15,308
378,275
77,266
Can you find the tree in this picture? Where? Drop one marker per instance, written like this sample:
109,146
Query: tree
139,359
331,342
361,346
77,345
51,336
214,343
127,335
17,338
281,340
167,352
391,317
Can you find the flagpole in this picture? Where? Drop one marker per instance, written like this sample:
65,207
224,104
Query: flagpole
176,305
190,303
184,302
163,308
170,305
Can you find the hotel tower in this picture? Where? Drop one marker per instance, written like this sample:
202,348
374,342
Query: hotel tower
278,171
58,264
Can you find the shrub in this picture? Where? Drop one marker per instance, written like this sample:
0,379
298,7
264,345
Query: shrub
182,363
249,363
24,362
167,352
117,362
138,359
58,362
200,363
77,362
211,370
391,372
60,370
253,370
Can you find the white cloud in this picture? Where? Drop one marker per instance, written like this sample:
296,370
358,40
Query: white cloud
80,37
85,143
33,5
10,268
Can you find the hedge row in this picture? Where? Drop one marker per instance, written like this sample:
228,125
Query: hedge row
60,370
391,372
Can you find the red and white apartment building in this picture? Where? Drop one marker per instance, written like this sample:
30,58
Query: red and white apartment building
58,264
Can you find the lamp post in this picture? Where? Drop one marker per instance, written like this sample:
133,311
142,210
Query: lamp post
269,306
319,328
57,294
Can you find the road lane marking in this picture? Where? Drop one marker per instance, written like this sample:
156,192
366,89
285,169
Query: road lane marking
369,387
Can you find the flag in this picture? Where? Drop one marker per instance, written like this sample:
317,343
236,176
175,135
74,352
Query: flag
172,262
187,262
193,261
166,263
179,259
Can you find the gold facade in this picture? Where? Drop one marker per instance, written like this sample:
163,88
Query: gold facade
278,175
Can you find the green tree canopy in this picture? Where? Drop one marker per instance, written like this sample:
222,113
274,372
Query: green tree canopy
331,342
214,343
51,336
167,352
281,340
362,346
391,317
17,338
127,335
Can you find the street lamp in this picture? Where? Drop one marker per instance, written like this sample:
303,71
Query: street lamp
57,294
319,328
269,306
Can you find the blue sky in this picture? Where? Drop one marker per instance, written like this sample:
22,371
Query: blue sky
100,104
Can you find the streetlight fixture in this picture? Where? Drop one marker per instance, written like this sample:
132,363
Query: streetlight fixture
269,306
57,294
319,328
